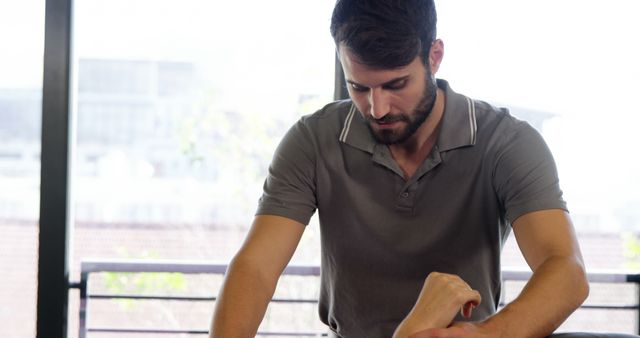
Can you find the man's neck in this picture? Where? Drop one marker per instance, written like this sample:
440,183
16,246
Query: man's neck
410,154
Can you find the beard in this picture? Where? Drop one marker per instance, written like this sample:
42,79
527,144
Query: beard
412,121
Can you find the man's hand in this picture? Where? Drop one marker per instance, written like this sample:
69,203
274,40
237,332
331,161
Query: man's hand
441,298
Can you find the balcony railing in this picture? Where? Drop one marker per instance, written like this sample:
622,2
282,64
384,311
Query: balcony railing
89,268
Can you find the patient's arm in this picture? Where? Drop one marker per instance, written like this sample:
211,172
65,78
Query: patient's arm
441,298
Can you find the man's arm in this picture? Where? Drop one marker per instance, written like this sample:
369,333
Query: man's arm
557,287
252,276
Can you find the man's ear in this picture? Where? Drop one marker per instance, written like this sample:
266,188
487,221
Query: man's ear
436,53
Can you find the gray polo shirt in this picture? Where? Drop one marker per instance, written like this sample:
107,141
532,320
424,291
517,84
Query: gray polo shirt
381,234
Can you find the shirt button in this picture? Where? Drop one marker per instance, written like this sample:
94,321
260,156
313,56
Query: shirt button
405,194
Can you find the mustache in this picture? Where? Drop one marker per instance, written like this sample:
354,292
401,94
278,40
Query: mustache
388,118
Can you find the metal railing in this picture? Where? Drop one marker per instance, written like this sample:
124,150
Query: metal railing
128,266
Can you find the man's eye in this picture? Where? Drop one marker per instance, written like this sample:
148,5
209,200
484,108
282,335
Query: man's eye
358,88
397,85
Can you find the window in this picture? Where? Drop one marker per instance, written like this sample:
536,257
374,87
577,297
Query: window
180,105
20,111
177,117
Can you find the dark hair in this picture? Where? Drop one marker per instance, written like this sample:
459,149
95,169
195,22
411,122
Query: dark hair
385,33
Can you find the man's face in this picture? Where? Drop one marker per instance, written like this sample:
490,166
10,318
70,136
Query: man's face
394,102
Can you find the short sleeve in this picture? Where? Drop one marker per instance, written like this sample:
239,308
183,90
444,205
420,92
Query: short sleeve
525,175
290,187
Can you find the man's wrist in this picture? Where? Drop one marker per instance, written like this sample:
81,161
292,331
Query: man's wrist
496,325
409,327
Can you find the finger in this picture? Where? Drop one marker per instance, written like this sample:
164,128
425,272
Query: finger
467,309
473,301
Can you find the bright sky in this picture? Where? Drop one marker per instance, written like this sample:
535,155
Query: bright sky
21,43
570,52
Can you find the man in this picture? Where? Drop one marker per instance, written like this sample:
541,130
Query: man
410,180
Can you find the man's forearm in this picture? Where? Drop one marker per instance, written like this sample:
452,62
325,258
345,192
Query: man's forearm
242,301
556,289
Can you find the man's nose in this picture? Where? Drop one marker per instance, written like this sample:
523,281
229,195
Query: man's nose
378,102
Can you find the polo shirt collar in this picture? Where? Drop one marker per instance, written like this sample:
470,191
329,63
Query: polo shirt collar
355,131
458,126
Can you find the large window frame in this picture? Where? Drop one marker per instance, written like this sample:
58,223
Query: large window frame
57,132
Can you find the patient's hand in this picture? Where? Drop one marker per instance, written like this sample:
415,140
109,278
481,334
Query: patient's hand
441,298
